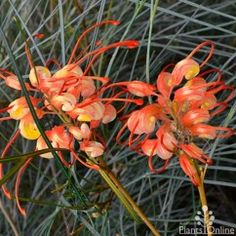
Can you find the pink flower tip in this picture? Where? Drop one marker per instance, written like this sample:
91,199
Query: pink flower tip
115,22
139,102
22,211
132,43
209,161
39,35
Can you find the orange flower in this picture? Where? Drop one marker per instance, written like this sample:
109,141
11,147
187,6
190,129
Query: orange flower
140,88
189,169
92,148
83,132
72,97
93,111
59,138
19,107
11,80
144,121
109,114
182,113
28,128
187,68
65,102
38,74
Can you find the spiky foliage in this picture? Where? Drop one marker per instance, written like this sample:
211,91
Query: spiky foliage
168,31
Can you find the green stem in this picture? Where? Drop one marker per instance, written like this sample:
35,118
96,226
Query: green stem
203,199
124,196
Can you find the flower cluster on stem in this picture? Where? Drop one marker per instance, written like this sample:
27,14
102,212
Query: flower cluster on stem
73,98
185,102
78,103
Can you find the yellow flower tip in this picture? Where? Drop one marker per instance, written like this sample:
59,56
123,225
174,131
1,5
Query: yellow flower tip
205,105
169,82
187,68
192,72
84,118
68,70
17,113
42,73
18,109
74,68
152,119
61,74
29,130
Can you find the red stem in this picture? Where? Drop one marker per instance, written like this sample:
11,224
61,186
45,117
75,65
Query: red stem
9,144
113,22
195,50
17,183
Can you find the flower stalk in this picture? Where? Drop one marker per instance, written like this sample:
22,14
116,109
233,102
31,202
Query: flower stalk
124,196
203,200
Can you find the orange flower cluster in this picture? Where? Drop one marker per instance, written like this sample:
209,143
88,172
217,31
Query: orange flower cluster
78,100
79,103
185,103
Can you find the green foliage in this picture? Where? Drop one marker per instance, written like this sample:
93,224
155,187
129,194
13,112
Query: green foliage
167,31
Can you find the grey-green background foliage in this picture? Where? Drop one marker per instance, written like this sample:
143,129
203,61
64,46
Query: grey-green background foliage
167,32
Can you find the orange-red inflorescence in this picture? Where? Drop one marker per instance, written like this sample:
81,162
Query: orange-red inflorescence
77,98
185,103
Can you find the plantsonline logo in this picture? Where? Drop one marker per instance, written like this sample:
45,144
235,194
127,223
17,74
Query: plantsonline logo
199,227
199,218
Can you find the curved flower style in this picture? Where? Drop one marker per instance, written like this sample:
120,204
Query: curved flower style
73,96
185,103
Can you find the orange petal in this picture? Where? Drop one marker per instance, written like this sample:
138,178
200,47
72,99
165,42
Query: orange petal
76,132
93,111
196,116
162,152
37,74
144,120
203,131
40,145
87,87
64,102
60,137
109,114
28,128
140,88
186,94
149,147
195,152
92,148
165,83
189,169
187,68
